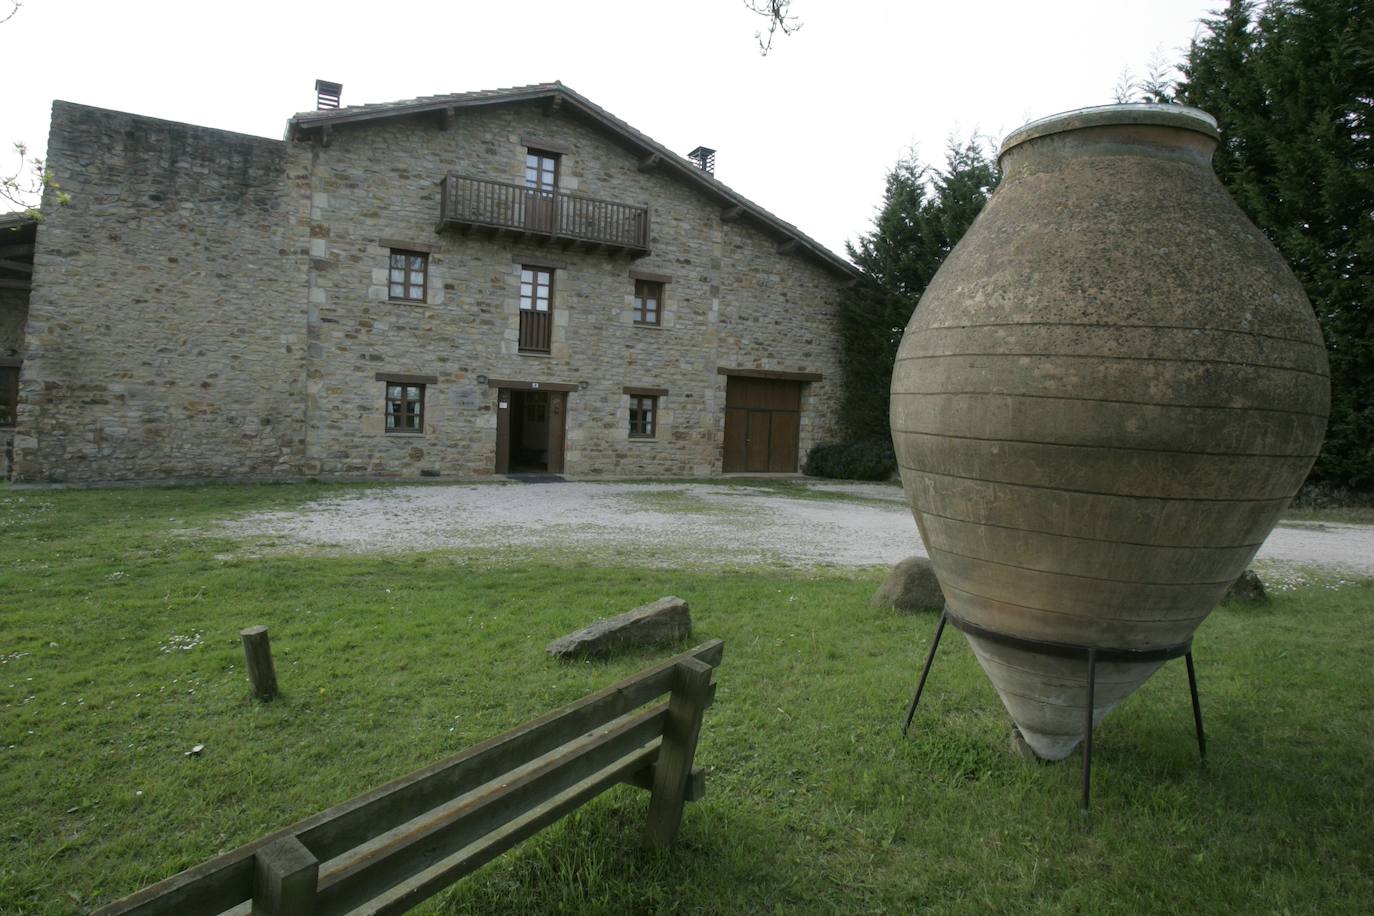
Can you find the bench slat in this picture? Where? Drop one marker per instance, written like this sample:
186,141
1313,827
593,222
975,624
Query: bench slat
364,872
441,874
361,819
224,882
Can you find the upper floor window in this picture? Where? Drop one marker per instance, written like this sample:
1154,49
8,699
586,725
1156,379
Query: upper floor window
407,275
405,408
541,170
536,306
9,395
648,302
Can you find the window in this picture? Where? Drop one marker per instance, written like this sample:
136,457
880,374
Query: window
9,395
536,303
648,299
541,170
405,408
643,416
407,275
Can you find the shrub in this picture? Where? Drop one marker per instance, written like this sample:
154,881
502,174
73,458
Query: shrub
860,460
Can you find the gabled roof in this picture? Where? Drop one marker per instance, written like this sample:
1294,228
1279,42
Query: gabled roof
654,153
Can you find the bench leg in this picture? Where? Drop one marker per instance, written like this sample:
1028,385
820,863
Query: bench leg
691,686
284,879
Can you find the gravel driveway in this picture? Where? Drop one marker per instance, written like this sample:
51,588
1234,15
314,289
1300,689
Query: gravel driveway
816,524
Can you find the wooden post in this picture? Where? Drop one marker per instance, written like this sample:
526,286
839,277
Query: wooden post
257,652
285,878
691,685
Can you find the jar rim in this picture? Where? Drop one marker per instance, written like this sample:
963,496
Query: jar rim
1182,116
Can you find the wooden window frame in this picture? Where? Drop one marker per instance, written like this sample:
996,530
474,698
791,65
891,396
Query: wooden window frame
417,413
408,275
541,157
9,396
533,299
644,416
641,312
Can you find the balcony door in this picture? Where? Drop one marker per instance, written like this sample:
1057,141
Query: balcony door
541,191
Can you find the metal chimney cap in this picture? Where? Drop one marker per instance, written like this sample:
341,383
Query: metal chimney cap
705,158
327,94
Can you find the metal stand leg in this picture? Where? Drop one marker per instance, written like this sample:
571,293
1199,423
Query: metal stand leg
1088,731
1197,707
925,673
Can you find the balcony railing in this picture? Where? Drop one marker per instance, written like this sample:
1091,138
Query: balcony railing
536,331
574,220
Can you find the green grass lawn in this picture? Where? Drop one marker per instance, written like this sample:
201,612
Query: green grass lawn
119,651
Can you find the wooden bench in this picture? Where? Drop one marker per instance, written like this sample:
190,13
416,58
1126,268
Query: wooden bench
387,850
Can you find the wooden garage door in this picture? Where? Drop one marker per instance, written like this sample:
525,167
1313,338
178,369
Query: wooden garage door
762,425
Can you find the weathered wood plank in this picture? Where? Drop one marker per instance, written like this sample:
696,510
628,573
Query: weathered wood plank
356,821
211,887
285,879
696,783
23,267
362,873
16,251
257,654
226,881
14,284
444,872
691,685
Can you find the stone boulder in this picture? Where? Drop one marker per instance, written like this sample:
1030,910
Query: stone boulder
911,586
667,620
1248,589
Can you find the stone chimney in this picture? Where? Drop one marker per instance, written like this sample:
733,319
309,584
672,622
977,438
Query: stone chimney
327,94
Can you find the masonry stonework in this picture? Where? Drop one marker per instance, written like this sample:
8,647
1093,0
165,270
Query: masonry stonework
215,305
165,336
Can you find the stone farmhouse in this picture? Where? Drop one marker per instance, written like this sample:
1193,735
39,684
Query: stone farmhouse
451,286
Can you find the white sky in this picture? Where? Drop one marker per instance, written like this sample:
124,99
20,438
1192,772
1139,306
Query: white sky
808,131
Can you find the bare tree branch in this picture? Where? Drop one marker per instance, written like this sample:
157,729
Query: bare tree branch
780,19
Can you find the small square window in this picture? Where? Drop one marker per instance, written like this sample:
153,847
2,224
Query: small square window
648,302
407,275
405,408
643,416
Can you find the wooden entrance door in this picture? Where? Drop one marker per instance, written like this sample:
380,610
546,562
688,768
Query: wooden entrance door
762,425
513,426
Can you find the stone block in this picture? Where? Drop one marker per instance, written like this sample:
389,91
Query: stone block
667,620
911,586
1248,589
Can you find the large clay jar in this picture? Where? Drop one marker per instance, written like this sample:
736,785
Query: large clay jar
1107,395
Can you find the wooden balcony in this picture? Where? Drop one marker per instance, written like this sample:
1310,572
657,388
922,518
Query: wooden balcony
566,219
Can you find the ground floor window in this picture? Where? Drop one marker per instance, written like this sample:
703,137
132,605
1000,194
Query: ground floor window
405,408
9,395
643,416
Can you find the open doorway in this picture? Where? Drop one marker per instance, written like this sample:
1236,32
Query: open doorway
530,431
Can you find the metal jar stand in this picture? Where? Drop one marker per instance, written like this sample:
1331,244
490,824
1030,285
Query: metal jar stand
1093,654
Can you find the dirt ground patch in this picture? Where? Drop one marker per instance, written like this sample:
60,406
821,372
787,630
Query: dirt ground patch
672,524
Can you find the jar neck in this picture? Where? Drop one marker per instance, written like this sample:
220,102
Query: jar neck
1148,140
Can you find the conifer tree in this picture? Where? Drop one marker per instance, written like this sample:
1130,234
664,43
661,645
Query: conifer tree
1291,84
925,211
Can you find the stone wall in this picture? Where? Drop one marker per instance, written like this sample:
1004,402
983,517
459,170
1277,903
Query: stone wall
166,328
733,301
215,305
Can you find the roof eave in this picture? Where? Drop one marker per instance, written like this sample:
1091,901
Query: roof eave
306,121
